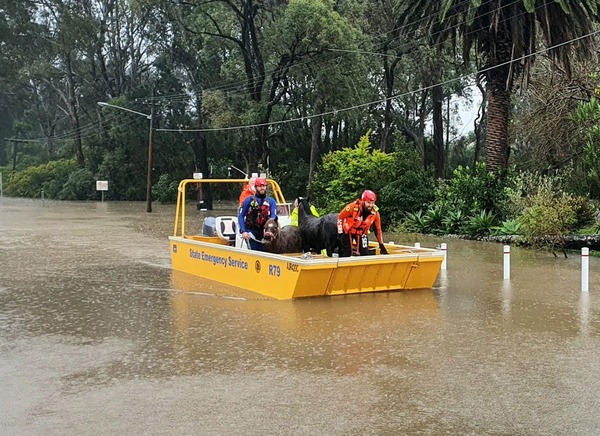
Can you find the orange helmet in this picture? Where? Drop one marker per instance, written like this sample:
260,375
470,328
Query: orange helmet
260,181
368,196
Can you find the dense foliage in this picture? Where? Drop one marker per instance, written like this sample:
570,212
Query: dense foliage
290,88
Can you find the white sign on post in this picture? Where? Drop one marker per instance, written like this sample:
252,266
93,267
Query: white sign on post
102,185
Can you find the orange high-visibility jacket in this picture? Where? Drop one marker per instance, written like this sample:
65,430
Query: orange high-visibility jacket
353,223
247,191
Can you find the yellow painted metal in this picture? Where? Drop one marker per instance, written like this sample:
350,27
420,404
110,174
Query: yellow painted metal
211,239
291,276
424,272
276,276
179,227
362,274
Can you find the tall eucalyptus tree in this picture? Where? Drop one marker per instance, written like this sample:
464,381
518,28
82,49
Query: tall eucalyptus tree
324,81
504,35
21,41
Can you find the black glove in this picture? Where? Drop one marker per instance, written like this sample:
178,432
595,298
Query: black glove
382,249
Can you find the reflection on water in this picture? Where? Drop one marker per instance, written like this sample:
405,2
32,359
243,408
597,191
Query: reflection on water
311,334
506,297
97,335
584,313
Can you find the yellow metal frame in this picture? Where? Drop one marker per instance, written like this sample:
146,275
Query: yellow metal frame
181,200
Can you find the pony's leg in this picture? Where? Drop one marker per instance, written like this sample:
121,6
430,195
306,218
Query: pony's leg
345,245
363,245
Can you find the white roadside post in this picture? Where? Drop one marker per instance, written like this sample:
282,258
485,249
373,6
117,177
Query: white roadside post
444,248
417,245
585,269
506,262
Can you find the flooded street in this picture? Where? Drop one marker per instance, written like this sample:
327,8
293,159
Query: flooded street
98,337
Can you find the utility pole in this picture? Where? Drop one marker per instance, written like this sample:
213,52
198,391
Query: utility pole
15,141
149,178
151,118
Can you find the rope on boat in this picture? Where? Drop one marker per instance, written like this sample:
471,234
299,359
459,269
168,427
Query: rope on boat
261,241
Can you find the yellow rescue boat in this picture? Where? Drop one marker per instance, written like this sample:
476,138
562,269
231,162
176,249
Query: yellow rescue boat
222,257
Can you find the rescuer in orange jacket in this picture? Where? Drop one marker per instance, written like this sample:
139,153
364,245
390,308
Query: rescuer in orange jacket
354,222
247,190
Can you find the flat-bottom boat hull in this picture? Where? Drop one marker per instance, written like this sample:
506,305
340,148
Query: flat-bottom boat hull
295,276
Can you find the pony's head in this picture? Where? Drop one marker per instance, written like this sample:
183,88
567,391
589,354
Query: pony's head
271,230
304,205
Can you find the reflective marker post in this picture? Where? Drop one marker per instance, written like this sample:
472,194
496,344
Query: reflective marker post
444,248
585,269
506,262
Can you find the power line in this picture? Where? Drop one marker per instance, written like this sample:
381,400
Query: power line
84,132
336,111
242,84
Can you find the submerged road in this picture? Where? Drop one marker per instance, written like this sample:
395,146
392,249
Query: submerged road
97,337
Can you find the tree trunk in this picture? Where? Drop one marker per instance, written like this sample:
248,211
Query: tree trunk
421,132
387,114
499,85
200,148
497,149
479,123
315,142
335,137
74,111
438,131
327,141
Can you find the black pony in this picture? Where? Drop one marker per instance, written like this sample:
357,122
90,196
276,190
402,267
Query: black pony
317,233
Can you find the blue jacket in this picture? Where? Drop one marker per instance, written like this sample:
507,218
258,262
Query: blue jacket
246,207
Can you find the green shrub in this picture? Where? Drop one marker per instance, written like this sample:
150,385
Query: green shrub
414,222
411,187
50,177
545,210
454,221
548,219
508,227
472,192
345,173
80,185
434,219
165,190
481,224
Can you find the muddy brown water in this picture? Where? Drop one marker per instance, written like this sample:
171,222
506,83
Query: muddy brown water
98,337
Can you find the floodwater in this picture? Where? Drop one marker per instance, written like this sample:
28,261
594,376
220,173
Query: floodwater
98,338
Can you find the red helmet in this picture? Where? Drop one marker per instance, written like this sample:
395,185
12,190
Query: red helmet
368,196
260,181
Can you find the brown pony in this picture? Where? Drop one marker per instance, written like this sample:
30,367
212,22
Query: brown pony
281,240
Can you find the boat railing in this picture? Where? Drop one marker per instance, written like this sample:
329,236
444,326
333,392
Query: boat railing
179,228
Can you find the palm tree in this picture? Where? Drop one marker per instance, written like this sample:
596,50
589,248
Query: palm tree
503,34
